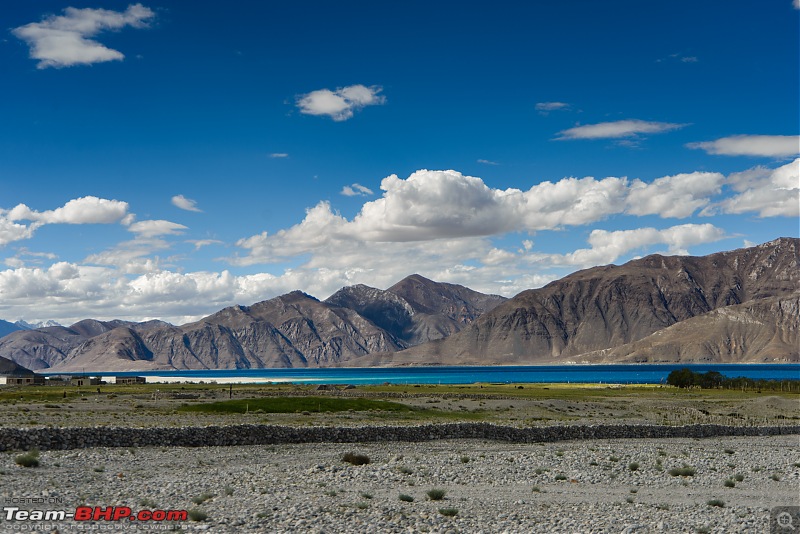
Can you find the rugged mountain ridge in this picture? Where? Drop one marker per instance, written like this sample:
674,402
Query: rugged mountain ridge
612,306
292,330
417,310
42,348
759,331
6,327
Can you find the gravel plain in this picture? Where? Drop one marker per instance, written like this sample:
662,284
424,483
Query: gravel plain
574,487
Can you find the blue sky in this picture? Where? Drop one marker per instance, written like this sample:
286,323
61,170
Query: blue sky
168,159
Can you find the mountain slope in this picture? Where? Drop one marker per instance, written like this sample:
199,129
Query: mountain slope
46,347
610,306
6,328
759,331
40,348
417,310
293,330
9,368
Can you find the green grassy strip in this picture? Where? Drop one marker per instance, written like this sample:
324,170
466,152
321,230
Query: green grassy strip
295,404
576,392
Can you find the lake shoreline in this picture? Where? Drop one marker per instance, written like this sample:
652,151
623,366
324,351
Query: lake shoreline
643,373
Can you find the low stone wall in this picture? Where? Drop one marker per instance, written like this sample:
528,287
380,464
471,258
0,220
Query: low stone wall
78,438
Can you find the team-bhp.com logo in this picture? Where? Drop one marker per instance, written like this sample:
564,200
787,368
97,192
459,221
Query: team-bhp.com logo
97,513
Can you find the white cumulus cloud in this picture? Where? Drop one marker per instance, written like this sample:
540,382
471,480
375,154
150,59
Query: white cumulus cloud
608,246
184,203
11,231
617,129
674,196
442,224
439,205
84,210
771,146
341,103
768,192
66,40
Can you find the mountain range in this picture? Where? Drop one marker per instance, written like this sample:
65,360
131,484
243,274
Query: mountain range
7,327
737,306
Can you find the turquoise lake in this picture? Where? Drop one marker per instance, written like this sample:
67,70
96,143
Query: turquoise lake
597,374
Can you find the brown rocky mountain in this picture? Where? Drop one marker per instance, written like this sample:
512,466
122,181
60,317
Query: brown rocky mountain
293,330
759,331
417,310
41,348
613,306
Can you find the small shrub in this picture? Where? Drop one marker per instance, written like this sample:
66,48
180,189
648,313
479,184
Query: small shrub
629,500
728,451
684,471
406,498
729,483
593,463
539,470
29,459
633,466
203,497
448,512
355,459
405,470
331,493
776,477
228,491
362,506
561,477
195,514
366,495
100,469
738,477
465,459
614,459
559,453
436,494
716,502
536,489
634,490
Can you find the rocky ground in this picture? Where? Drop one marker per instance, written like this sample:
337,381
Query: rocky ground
580,487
